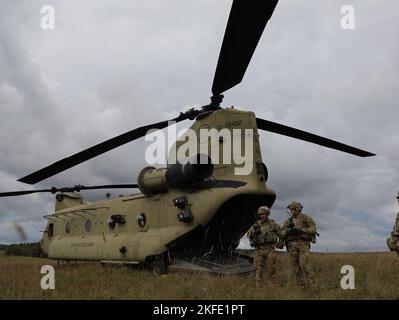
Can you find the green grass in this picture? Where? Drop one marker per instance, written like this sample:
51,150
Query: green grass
377,277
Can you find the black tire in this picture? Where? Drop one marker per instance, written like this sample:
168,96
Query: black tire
160,264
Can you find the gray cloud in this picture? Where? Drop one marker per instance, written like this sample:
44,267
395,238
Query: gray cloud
108,68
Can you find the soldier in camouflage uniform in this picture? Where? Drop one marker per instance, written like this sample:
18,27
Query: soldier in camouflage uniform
297,233
264,235
393,241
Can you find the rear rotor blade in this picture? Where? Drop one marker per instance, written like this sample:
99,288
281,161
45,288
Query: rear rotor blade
245,26
309,137
96,150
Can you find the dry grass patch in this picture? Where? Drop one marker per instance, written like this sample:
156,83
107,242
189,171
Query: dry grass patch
377,277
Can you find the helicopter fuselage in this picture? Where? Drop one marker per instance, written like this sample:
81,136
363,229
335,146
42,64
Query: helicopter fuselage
132,228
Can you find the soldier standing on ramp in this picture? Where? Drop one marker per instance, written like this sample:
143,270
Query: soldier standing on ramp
264,235
393,241
297,233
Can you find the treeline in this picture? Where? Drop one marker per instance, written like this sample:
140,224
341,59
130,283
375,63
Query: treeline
25,249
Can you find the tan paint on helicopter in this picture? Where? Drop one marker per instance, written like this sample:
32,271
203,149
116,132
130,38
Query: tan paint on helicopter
162,227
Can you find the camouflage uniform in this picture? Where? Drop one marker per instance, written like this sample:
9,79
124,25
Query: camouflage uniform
297,233
263,235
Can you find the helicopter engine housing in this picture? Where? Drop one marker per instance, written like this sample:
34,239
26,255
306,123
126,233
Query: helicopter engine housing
152,181
180,175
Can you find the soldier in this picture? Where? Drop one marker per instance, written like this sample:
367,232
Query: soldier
264,235
297,233
393,241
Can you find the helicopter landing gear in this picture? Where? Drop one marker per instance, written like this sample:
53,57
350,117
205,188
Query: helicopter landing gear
161,264
158,264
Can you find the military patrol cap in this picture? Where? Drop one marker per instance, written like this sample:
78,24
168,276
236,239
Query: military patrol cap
263,209
295,205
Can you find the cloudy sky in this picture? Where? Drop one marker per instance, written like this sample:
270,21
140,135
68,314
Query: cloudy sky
108,67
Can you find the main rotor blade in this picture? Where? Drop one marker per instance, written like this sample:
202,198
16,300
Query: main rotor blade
247,20
309,137
95,151
21,193
69,189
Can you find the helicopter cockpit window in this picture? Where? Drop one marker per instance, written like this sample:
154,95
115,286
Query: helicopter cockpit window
141,220
68,228
88,225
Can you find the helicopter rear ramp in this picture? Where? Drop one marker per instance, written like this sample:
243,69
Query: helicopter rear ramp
219,264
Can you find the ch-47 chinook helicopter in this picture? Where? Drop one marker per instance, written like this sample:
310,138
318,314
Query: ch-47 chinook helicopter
189,208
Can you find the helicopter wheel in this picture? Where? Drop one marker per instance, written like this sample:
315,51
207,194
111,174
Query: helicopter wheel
160,264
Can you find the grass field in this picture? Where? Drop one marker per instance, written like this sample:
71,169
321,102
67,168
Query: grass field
377,277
